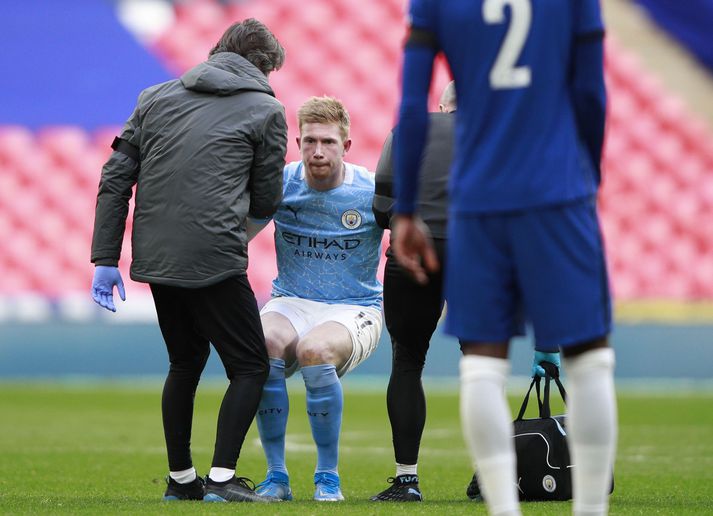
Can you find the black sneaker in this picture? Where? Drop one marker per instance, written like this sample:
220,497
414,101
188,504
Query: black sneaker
237,489
190,491
473,490
404,488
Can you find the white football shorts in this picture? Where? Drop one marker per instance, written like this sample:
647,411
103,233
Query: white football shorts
362,322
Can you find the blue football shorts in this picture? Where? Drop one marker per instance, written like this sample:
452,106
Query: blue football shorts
546,264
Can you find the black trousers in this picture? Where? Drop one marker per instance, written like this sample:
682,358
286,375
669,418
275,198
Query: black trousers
411,312
226,315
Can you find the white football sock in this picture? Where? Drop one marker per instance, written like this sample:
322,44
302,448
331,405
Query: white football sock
185,476
592,428
488,431
406,469
221,474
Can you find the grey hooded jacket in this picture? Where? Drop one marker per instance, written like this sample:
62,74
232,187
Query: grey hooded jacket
212,149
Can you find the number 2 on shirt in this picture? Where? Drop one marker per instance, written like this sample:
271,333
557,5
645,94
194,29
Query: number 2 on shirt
504,74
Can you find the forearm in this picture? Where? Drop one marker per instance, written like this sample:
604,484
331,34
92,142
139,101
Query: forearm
118,178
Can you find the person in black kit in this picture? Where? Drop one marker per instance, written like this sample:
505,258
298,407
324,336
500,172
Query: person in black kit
206,153
412,310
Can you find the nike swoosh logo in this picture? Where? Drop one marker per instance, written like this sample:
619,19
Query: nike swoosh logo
411,490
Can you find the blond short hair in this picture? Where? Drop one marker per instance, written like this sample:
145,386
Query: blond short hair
324,110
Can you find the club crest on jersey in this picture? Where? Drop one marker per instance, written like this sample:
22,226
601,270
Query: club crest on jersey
351,219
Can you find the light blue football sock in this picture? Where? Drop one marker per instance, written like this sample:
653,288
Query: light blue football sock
324,409
272,416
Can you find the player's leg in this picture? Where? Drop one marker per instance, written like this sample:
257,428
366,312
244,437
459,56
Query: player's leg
570,307
484,369
483,303
411,313
319,353
228,316
281,339
343,337
187,353
592,421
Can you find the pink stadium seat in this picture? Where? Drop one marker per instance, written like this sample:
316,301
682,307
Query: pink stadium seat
691,172
10,187
703,275
698,137
316,20
677,286
34,168
7,232
15,281
622,107
23,249
671,111
15,144
686,212
656,231
653,272
643,131
176,43
50,230
625,286
668,151
23,208
74,250
662,191
64,145
683,253
59,189
202,16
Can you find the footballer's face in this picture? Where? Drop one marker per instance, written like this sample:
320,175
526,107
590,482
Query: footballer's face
323,148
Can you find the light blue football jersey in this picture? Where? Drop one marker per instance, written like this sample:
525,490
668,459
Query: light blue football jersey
328,244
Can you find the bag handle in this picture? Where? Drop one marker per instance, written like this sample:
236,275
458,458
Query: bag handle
523,407
543,402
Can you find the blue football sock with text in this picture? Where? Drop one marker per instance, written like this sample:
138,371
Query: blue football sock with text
272,416
324,408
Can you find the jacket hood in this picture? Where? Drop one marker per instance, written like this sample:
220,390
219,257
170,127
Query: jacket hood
226,73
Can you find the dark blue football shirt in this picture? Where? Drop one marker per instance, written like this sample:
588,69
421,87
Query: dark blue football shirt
531,100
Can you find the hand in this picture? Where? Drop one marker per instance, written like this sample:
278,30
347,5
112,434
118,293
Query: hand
541,356
413,247
105,278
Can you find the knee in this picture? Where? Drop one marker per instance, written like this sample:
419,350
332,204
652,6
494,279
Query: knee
262,372
257,370
408,358
188,366
277,341
313,352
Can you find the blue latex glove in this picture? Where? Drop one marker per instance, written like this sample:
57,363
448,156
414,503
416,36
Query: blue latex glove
105,278
541,356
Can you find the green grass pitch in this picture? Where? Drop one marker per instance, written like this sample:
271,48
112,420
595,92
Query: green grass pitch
98,449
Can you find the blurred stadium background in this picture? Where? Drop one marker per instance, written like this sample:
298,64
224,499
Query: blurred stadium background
72,70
